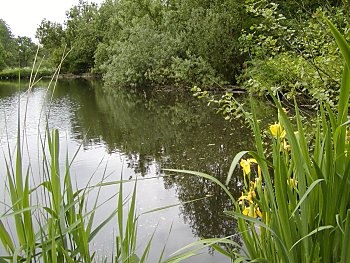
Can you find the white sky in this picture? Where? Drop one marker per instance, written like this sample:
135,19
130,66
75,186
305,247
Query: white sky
24,16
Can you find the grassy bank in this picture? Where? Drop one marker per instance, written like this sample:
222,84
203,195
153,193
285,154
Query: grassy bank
25,73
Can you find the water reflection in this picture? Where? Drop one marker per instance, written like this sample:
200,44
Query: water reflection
162,130
172,130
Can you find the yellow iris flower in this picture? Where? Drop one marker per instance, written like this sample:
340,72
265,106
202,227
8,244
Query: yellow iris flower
252,211
246,166
292,182
248,197
277,130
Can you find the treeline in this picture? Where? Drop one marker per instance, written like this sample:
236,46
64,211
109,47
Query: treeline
201,42
15,51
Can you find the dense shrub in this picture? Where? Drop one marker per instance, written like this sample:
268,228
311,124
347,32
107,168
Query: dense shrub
295,58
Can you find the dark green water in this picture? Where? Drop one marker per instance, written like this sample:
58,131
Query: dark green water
137,135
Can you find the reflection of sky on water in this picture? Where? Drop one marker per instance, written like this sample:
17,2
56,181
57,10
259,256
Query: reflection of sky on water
136,136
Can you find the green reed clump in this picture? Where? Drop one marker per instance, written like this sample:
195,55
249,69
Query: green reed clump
51,220
296,202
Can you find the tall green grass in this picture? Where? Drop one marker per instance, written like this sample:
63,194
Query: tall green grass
296,203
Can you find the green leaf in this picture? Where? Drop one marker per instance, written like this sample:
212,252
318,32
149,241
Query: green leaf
312,186
201,244
341,42
286,256
234,165
315,231
345,254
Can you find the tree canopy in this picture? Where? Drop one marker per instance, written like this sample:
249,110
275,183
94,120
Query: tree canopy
206,43
15,51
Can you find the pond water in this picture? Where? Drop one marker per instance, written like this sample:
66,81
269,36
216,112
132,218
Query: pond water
136,135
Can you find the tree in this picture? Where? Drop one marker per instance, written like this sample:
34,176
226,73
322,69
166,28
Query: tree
26,50
82,36
51,36
7,46
2,57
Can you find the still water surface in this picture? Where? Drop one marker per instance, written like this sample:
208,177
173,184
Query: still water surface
136,135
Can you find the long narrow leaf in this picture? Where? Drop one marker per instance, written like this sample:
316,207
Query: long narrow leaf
312,186
315,231
234,165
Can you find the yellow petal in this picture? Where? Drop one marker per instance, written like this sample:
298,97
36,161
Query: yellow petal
274,128
258,212
245,165
292,182
252,212
250,196
283,134
243,197
277,130
252,160
246,210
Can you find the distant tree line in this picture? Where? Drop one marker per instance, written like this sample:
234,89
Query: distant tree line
191,42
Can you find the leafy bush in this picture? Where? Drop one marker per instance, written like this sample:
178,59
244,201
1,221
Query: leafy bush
295,58
186,72
145,49
179,46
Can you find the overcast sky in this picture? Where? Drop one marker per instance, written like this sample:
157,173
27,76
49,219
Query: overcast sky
24,16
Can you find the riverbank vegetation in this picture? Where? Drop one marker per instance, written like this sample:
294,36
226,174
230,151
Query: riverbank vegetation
24,72
251,44
295,206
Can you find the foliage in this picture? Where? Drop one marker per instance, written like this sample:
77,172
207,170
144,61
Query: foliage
141,42
80,36
26,51
15,52
26,72
294,57
7,45
50,36
129,65
295,206
182,42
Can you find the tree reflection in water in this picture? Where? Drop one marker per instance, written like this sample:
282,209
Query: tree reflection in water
166,130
